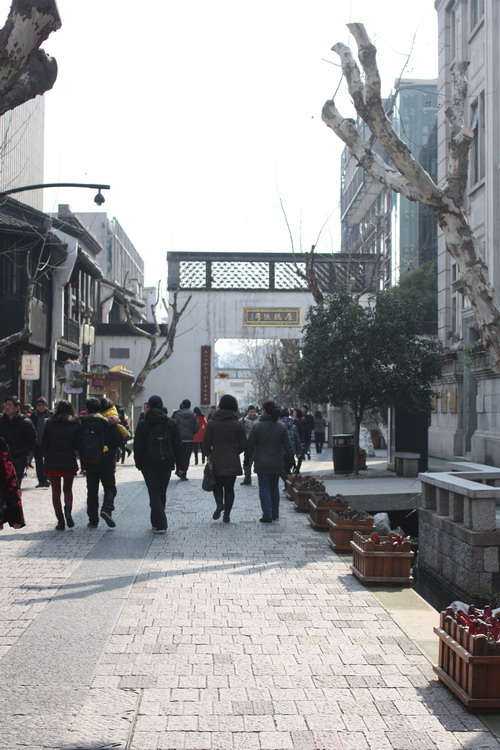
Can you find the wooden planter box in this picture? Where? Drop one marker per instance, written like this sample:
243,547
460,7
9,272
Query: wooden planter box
301,499
291,481
319,510
475,679
342,530
372,563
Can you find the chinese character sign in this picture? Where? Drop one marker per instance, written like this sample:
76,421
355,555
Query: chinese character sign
206,375
284,317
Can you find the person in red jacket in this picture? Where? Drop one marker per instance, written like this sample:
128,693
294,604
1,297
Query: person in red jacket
198,438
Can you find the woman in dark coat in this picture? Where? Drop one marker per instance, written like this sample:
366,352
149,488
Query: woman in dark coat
12,511
60,442
268,445
223,441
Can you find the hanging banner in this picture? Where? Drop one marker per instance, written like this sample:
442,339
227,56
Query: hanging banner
74,382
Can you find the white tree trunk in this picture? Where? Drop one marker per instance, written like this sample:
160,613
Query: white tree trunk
404,175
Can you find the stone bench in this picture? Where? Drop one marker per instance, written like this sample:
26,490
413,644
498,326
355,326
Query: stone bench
406,464
460,498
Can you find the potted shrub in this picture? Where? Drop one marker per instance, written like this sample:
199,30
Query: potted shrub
304,490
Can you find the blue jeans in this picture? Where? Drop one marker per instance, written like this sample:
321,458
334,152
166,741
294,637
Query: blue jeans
269,494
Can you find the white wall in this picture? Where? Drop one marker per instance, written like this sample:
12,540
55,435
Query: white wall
209,316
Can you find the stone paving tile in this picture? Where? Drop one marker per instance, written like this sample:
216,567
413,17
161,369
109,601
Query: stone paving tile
234,637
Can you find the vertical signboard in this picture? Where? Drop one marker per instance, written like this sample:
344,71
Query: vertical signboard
206,375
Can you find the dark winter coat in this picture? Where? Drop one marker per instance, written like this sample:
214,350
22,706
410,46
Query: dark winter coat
60,440
39,418
9,486
19,434
112,441
188,424
223,441
293,433
268,443
154,425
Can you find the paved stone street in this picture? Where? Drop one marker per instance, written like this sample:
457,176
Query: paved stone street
237,636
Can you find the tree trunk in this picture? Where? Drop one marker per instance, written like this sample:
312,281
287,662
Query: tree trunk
26,70
358,416
403,174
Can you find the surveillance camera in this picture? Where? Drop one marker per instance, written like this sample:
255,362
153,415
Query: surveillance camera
99,199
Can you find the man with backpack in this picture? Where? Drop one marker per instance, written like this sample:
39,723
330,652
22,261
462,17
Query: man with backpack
157,450
99,441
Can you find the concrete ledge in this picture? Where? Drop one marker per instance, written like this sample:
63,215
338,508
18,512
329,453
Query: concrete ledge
451,482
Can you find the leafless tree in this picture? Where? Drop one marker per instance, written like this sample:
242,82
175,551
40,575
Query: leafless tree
161,343
403,174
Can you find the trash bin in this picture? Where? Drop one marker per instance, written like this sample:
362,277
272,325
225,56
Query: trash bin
343,454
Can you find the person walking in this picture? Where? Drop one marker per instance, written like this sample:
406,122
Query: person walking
319,431
268,444
98,443
249,420
293,435
12,510
38,417
157,449
299,421
309,428
188,427
60,442
198,438
19,434
223,441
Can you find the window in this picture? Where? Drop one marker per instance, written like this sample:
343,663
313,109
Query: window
477,154
119,353
476,12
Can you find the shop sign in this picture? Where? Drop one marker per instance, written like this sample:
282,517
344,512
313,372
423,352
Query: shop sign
30,367
285,317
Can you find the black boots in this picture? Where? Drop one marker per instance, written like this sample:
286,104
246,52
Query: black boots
68,517
60,523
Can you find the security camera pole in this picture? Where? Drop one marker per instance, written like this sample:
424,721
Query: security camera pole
99,198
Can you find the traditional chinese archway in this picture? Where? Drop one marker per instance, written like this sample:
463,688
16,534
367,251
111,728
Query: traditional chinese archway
241,296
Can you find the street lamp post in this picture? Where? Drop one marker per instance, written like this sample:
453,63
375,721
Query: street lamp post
87,338
99,198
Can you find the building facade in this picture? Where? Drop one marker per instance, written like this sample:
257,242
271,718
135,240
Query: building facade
377,220
22,132
466,420
119,260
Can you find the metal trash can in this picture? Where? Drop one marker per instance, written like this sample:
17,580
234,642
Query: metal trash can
343,454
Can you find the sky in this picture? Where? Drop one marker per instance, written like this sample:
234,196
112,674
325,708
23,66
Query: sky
205,117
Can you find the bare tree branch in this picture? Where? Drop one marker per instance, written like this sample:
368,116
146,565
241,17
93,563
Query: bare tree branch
413,181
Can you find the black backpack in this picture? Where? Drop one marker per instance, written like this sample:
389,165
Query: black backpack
159,448
92,444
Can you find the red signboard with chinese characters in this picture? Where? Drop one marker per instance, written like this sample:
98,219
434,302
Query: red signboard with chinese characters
206,375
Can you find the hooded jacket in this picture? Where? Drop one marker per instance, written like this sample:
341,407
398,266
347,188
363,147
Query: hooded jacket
188,424
154,425
267,444
223,441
